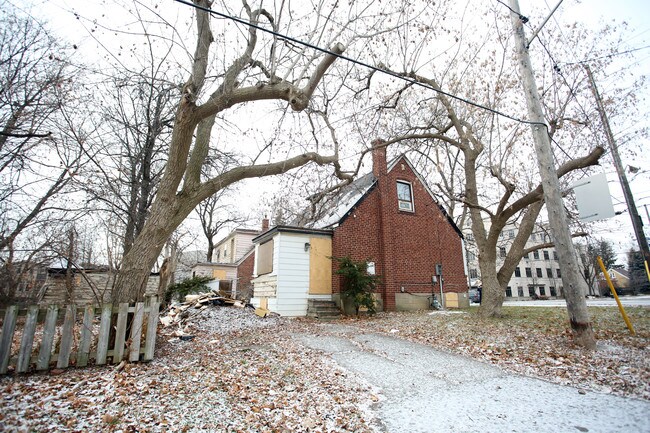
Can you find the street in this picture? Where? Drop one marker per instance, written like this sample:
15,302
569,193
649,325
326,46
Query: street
627,301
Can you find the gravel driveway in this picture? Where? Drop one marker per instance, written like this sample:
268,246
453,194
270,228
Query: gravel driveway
425,390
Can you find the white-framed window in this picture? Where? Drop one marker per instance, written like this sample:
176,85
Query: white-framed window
404,196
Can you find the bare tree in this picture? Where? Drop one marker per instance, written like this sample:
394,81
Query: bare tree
215,213
588,258
461,129
265,69
38,157
133,142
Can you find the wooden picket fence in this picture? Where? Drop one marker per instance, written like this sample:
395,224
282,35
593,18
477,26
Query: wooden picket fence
85,333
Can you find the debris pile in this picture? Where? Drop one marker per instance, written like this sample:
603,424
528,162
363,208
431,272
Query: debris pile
179,318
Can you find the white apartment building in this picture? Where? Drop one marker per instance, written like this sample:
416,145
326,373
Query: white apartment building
537,274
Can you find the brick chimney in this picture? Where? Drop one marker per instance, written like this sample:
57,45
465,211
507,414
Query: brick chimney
265,224
379,166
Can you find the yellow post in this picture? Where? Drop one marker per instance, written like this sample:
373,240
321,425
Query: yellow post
647,271
618,301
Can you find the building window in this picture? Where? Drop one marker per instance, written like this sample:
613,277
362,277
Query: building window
559,274
471,255
265,258
546,257
370,268
470,237
404,196
526,256
539,272
511,234
508,292
473,273
502,252
536,255
520,291
542,291
554,255
531,290
517,272
549,272
529,272
218,255
552,289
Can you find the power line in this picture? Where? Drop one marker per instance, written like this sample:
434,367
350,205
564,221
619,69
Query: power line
360,63
607,56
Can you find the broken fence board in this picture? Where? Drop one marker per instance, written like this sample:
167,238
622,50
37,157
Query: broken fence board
86,336
104,334
27,340
8,327
49,329
120,333
136,332
66,337
152,325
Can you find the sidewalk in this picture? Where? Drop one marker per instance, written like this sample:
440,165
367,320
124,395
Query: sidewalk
424,390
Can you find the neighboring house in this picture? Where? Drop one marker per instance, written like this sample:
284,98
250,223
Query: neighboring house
233,247
233,265
388,217
87,286
537,274
620,279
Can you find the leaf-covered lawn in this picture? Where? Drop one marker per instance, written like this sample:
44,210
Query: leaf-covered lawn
537,341
246,374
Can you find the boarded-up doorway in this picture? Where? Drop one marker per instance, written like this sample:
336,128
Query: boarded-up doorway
320,266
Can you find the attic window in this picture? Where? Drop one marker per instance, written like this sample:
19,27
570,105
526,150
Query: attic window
404,196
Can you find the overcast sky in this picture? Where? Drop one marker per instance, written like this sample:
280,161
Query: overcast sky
592,12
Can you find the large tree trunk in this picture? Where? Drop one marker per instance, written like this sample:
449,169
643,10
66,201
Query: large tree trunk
167,213
492,294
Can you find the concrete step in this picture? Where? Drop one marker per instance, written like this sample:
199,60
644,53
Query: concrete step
323,310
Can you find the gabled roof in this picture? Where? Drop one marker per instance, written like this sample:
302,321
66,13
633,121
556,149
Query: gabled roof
336,209
236,232
620,271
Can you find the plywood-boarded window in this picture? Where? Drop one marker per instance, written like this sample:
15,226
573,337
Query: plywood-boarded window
265,258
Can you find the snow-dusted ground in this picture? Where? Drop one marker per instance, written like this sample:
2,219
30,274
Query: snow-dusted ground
242,373
239,374
426,390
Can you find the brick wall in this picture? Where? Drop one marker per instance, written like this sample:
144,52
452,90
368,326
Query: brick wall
405,246
245,275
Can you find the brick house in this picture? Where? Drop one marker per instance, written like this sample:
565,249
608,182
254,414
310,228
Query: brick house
388,217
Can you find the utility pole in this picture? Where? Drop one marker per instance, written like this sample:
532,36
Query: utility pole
574,286
637,223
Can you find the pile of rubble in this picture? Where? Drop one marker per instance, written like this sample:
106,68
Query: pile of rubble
176,321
